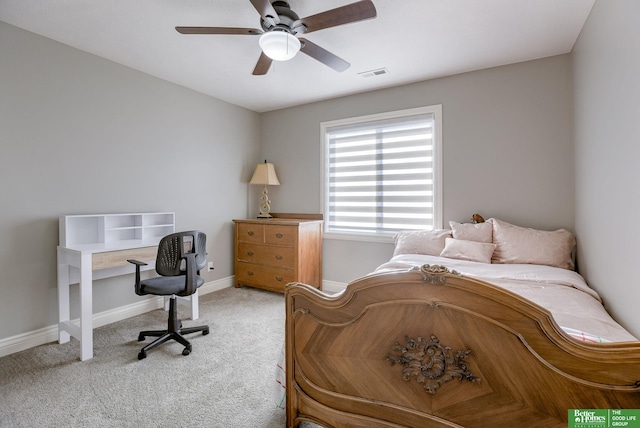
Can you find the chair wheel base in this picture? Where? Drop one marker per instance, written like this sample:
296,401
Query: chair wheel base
175,331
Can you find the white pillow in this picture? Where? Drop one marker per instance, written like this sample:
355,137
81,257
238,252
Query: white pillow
468,250
430,242
479,232
525,245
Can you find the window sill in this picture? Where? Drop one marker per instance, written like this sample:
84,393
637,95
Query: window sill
359,237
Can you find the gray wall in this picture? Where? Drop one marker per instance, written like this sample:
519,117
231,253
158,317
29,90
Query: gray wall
607,140
507,151
79,134
82,135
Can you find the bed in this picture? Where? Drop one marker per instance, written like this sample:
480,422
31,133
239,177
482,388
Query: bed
483,324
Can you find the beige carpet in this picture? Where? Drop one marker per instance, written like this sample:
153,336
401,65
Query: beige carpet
227,381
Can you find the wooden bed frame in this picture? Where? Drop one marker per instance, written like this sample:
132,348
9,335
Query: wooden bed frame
432,348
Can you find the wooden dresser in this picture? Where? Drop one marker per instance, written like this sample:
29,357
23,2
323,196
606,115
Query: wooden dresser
270,253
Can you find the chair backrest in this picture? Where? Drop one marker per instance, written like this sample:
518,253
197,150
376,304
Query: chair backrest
172,248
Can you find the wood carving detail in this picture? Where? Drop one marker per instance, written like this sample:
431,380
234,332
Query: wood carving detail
435,274
431,363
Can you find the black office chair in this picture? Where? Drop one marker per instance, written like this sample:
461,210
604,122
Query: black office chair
180,258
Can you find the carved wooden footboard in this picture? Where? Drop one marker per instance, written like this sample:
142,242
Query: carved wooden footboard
431,348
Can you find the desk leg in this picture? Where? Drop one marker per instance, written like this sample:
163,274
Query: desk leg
86,308
194,306
63,297
192,302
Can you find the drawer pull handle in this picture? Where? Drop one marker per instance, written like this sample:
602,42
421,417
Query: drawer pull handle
279,257
249,273
250,233
249,253
279,235
278,278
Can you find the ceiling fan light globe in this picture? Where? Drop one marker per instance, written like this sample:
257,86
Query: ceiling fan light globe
279,45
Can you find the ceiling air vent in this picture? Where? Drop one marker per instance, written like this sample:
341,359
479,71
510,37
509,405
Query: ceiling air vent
371,73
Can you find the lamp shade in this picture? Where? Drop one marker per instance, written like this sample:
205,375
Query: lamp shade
279,45
265,173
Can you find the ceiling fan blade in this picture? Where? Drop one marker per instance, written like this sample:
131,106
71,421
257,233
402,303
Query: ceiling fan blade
353,12
263,65
218,30
323,55
266,10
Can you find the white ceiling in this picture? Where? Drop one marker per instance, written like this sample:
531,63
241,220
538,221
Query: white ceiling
413,39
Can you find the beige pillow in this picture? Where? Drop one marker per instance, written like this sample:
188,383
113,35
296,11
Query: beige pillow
525,245
468,250
430,242
479,232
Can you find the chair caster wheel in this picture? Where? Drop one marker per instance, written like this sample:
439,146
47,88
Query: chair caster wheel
186,351
205,332
140,338
142,355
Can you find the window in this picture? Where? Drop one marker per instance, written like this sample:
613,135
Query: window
382,174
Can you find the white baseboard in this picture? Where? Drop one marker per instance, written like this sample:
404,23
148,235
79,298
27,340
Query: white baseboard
333,287
211,286
31,339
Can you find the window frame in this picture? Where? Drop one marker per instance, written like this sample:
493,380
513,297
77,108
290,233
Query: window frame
436,110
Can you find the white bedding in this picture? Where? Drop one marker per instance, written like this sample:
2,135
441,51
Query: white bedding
574,305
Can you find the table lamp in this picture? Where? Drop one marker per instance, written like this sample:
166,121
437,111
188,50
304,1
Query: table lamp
265,174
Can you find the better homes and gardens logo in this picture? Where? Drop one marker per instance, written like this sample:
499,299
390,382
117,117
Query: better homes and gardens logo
603,418
588,418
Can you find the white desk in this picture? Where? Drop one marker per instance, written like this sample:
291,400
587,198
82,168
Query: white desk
97,246
84,263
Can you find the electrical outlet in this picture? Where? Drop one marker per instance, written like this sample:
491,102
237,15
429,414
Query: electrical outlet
209,266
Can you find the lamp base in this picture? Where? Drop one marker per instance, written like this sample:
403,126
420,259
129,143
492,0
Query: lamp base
265,204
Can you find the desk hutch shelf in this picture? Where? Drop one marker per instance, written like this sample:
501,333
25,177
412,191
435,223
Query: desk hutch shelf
115,230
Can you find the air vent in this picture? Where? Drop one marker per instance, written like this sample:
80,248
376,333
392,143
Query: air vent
371,73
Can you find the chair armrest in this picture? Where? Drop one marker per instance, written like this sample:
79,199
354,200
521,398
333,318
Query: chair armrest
192,274
138,263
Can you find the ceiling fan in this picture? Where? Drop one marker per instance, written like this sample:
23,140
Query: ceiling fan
281,27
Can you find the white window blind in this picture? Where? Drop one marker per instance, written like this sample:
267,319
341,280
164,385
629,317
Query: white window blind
381,174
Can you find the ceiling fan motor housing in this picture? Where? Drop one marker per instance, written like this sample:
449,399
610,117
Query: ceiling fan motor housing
289,20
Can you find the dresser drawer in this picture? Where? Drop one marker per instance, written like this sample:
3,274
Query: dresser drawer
282,257
280,235
263,276
249,232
